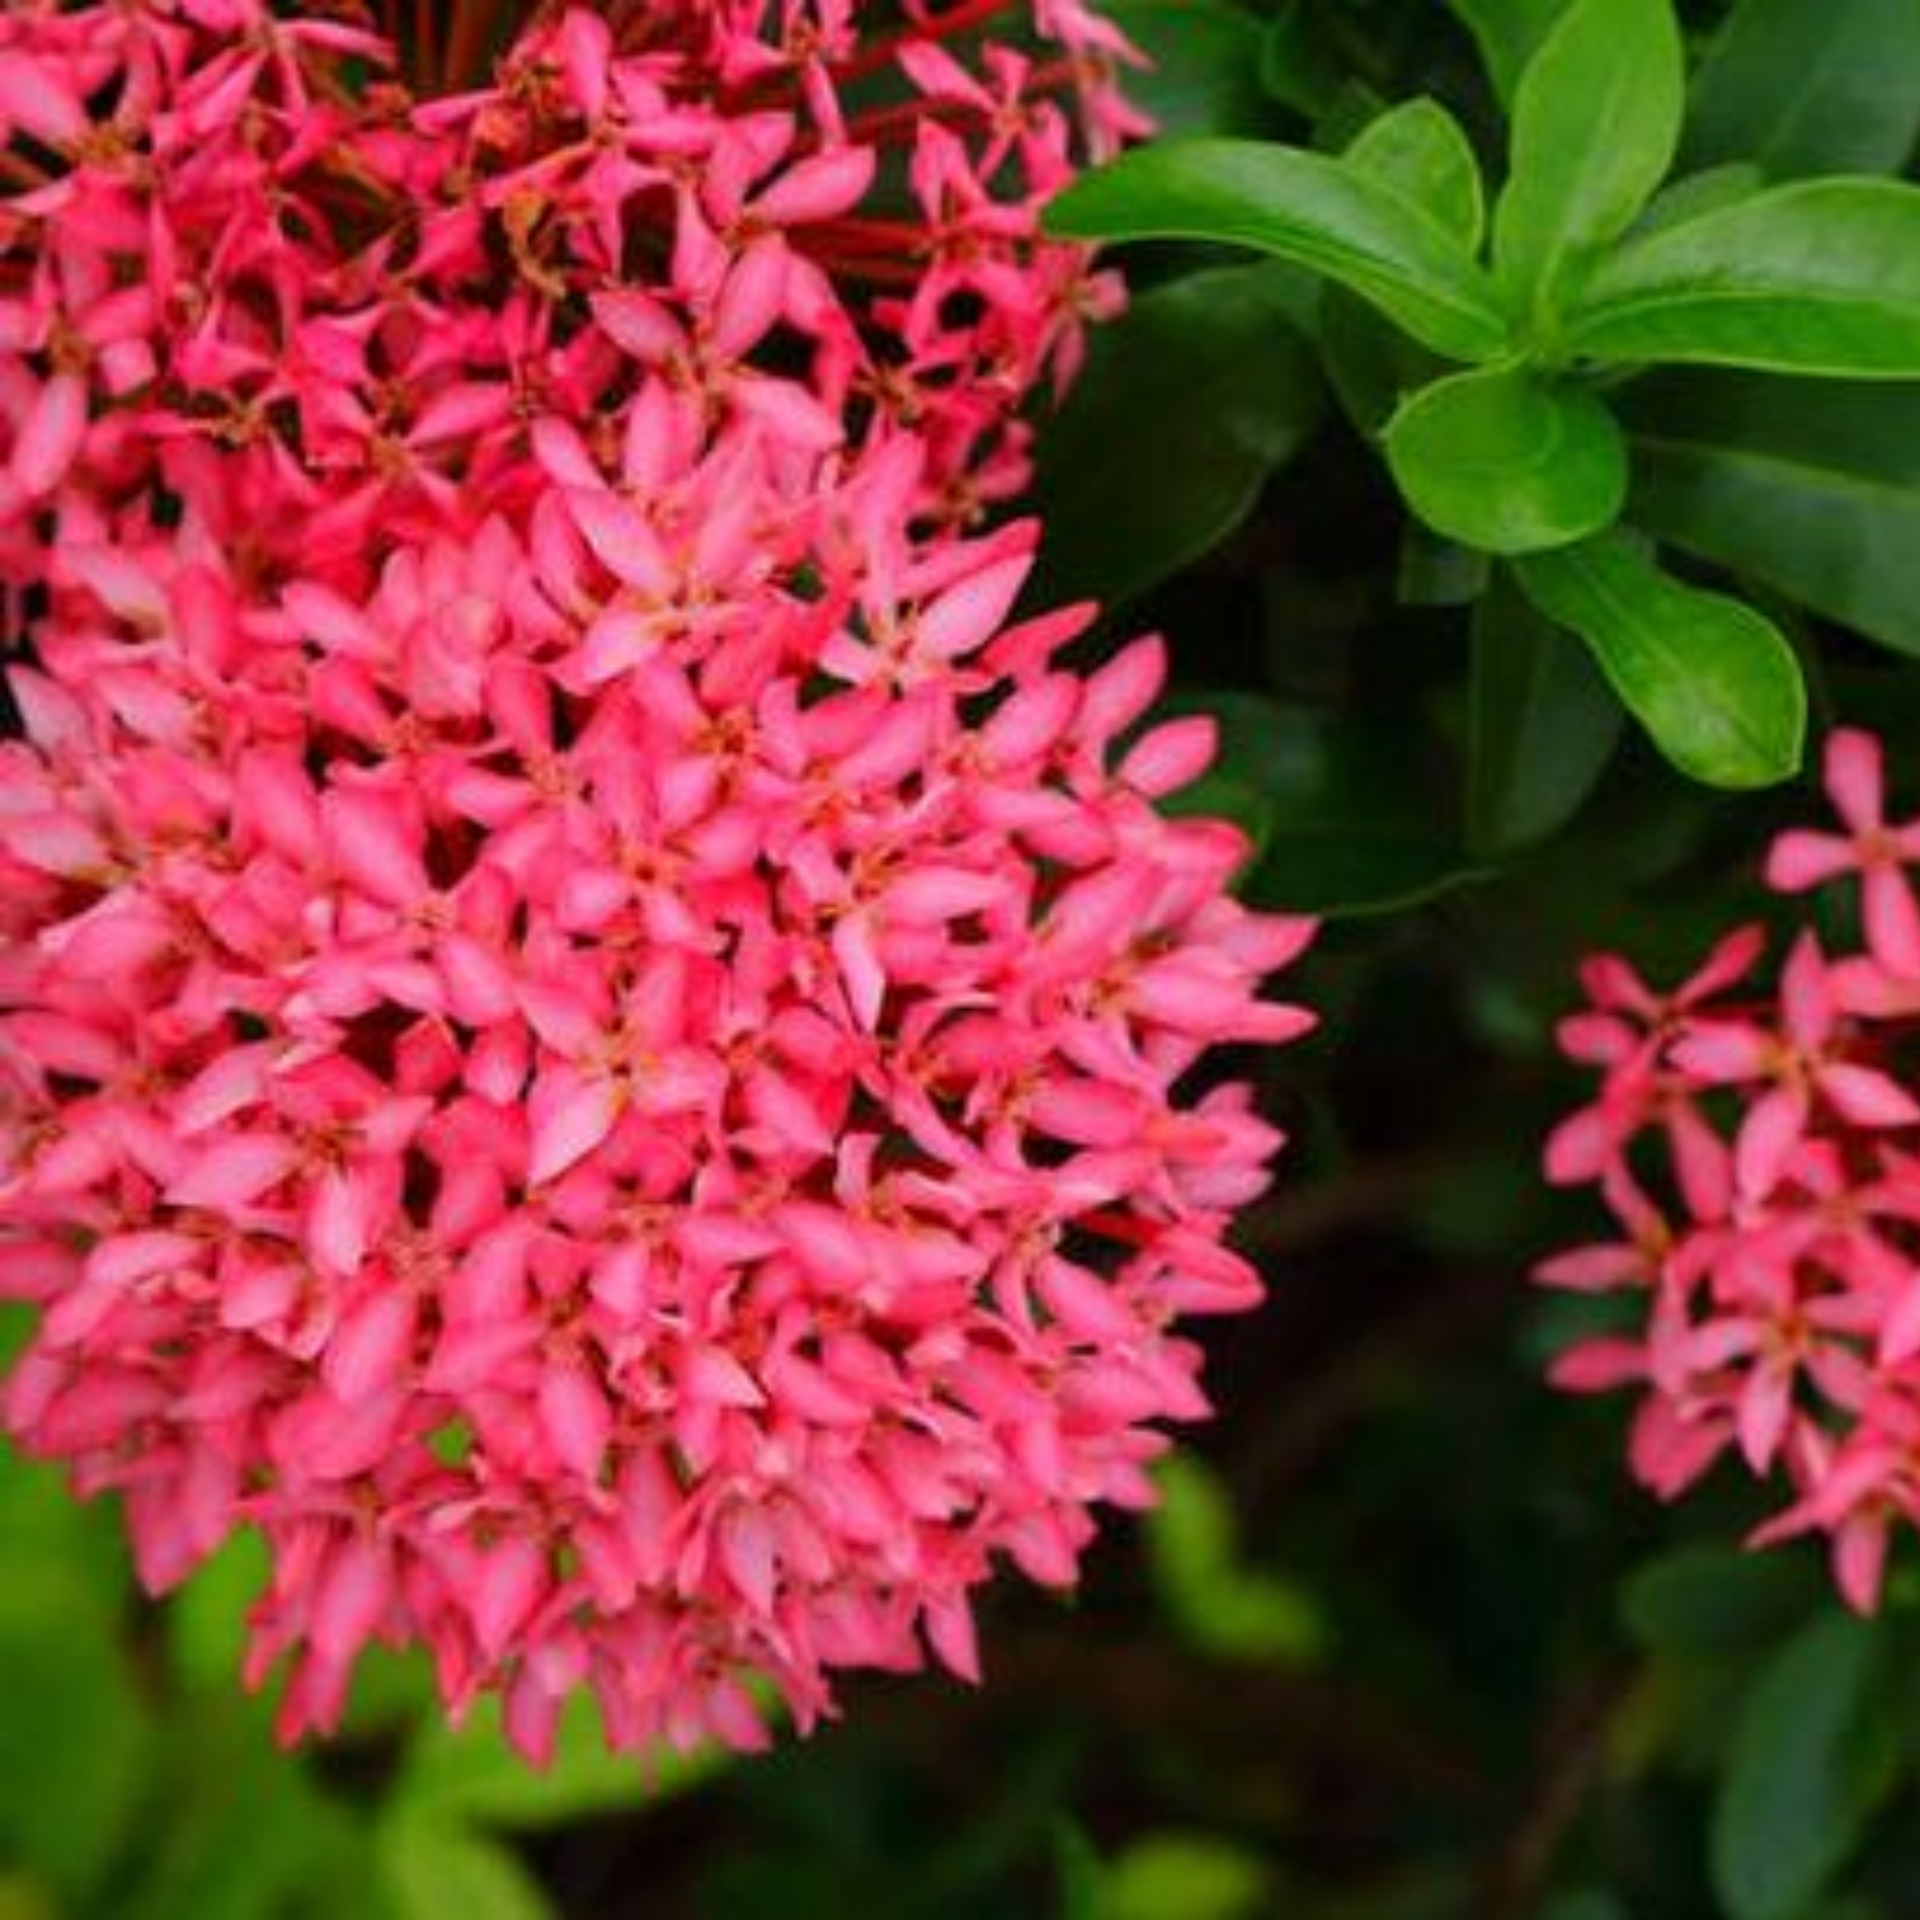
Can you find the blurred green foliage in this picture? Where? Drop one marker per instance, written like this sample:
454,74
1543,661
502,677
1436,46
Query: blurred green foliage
137,1781
1401,1643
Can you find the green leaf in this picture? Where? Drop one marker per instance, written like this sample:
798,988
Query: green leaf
1595,126
1236,786
1205,72
1318,212
1718,1601
1814,490
1543,725
1184,1876
1822,277
473,1774
1077,1869
1587,1903
1502,460
1434,571
59,1553
74,1748
1421,151
1804,87
1368,362
1695,194
1713,682
243,1833
1220,1606
23,1899
432,1869
1811,1761
1188,404
1364,864
1296,66
76,1738
1509,33
1351,829
206,1620
17,1321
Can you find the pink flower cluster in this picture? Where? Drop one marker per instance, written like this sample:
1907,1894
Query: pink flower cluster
592,1032
1760,1149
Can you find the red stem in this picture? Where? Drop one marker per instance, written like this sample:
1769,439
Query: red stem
1126,1228
882,53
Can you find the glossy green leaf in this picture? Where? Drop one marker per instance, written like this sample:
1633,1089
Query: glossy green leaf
1204,75
1318,212
1804,87
1595,125
1811,1761
1814,490
1822,277
1713,682
1420,150
1543,725
1187,406
1695,194
1505,461
1508,33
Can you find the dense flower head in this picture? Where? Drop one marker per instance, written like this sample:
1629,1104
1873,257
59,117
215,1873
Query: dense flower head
1757,1137
595,1035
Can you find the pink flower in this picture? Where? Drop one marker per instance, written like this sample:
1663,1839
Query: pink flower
1759,1151
1879,853
594,1036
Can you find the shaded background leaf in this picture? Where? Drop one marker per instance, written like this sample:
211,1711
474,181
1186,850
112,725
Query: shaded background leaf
1812,1757
1187,405
1205,75
1509,33
1803,86
1544,725
1813,490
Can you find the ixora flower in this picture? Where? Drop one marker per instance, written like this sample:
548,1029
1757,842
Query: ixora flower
593,1034
1760,1148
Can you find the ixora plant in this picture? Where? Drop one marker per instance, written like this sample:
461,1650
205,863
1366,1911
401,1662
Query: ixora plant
635,1040
592,1033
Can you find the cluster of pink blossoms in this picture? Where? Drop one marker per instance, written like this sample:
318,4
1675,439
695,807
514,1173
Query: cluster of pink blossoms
1760,1147
591,1032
